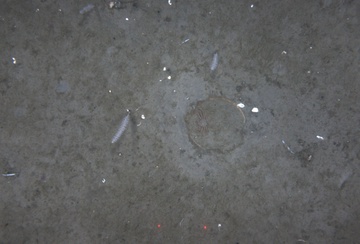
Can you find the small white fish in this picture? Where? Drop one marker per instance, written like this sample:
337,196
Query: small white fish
122,128
215,62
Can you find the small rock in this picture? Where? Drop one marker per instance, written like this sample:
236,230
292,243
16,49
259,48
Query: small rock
62,87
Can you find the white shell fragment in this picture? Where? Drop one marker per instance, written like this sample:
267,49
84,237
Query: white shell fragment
255,110
241,105
142,116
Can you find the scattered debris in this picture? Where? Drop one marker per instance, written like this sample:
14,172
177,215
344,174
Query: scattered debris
115,4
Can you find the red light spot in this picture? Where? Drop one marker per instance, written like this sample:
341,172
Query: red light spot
205,227
158,225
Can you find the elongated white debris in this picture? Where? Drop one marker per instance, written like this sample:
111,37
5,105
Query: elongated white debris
9,174
215,62
121,129
320,137
287,147
87,8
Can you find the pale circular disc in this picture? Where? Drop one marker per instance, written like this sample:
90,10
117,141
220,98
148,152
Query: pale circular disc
216,124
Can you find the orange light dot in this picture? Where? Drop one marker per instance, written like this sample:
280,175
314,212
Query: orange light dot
158,225
205,227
